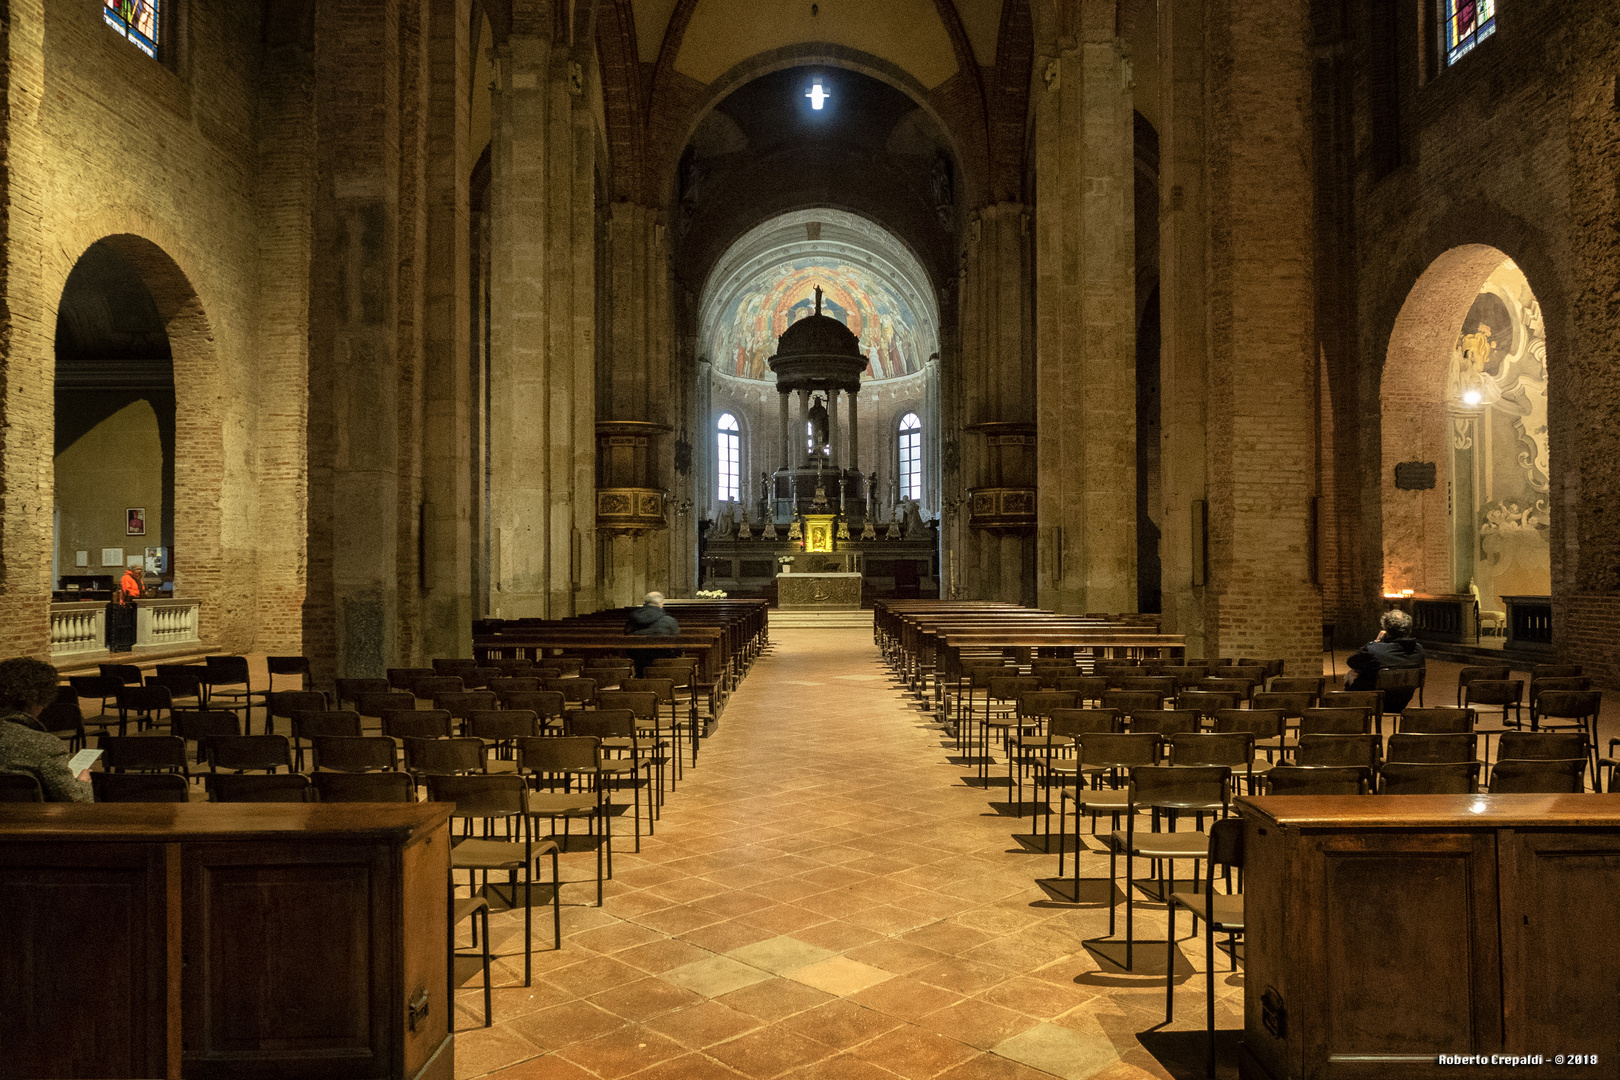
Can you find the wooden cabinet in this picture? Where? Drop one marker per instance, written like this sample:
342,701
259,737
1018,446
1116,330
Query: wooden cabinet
1383,931
245,941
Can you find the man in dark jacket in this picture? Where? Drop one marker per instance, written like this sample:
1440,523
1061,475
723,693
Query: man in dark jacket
1394,647
650,620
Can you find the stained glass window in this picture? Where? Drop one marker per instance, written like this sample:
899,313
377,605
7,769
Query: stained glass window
136,20
911,457
1467,23
729,457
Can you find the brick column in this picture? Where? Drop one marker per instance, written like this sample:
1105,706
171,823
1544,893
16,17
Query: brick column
543,352
354,469
1183,295
27,406
1085,333
1261,384
447,433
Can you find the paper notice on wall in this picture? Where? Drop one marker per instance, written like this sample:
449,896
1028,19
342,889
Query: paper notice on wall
81,558
112,557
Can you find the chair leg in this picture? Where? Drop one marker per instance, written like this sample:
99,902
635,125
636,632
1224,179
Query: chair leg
1209,984
556,901
528,921
489,1014
1170,964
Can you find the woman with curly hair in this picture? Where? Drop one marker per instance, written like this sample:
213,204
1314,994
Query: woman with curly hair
26,687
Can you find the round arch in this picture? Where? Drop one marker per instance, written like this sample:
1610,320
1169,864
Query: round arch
1441,404
806,54
201,487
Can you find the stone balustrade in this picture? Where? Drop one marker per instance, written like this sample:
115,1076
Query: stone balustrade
79,626
163,624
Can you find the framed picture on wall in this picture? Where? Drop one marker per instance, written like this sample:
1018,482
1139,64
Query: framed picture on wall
137,521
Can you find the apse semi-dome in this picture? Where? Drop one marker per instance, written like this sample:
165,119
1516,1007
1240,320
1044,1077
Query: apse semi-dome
874,293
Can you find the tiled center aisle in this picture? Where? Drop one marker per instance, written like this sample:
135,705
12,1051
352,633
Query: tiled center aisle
825,898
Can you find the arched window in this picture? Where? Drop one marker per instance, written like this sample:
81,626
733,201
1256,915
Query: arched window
729,457
1467,23
911,457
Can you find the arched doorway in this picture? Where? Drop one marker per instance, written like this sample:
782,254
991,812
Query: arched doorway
1466,477
115,420
139,441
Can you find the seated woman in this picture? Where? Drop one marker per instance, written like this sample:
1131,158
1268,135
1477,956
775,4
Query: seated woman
26,687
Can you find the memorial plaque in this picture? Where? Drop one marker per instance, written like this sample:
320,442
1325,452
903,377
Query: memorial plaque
1415,476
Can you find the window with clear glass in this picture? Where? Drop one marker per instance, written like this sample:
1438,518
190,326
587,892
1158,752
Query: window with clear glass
134,20
911,457
1466,24
729,457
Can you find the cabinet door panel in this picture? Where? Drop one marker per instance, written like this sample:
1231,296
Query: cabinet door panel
289,960
83,961
1561,955
1404,926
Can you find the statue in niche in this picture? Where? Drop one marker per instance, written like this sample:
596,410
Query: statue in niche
913,528
818,427
725,528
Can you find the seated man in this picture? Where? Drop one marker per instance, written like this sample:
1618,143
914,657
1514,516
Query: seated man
1394,647
650,620
26,687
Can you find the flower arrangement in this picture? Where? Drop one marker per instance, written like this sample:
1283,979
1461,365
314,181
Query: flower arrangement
784,560
711,594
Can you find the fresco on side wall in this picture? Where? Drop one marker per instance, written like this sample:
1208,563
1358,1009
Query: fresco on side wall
745,334
1501,355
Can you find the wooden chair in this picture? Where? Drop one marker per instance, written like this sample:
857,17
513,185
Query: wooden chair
364,787
140,787
350,690
616,731
202,728
1233,749
1438,720
1430,749
1539,776
321,724
562,760
246,787
354,754
1506,693
1170,791
504,800
21,787
144,753
145,705
1361,751
285,704
1491,672
1318,780
107,689
250,753
416,724
548,705
1335,722
1428,778
228,686
1571,709
1220,912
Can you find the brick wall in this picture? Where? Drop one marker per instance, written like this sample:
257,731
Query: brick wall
162,157
1541,94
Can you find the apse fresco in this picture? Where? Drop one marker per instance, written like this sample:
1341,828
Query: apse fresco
746,331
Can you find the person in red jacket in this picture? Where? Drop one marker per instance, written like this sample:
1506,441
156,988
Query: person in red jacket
130,586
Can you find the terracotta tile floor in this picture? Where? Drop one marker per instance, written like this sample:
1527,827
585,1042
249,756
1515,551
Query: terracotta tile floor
827,897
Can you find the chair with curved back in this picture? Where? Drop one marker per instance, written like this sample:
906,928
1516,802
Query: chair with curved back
1575,710
1435,720
1335,721
1476,672
1318,780
354,754
18,787
228,686
1539,776
416,724
322,723
249,787
107,689
140,786
1560,682
145,754
1428,778
145,705
250,753
1170,791
1220,912
350,690
618,731
560,761
364,787
1503,693
1361,751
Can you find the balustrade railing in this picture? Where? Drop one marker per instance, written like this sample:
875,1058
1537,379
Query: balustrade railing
78,627
164,623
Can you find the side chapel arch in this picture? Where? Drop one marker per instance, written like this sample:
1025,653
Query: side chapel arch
1464,389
